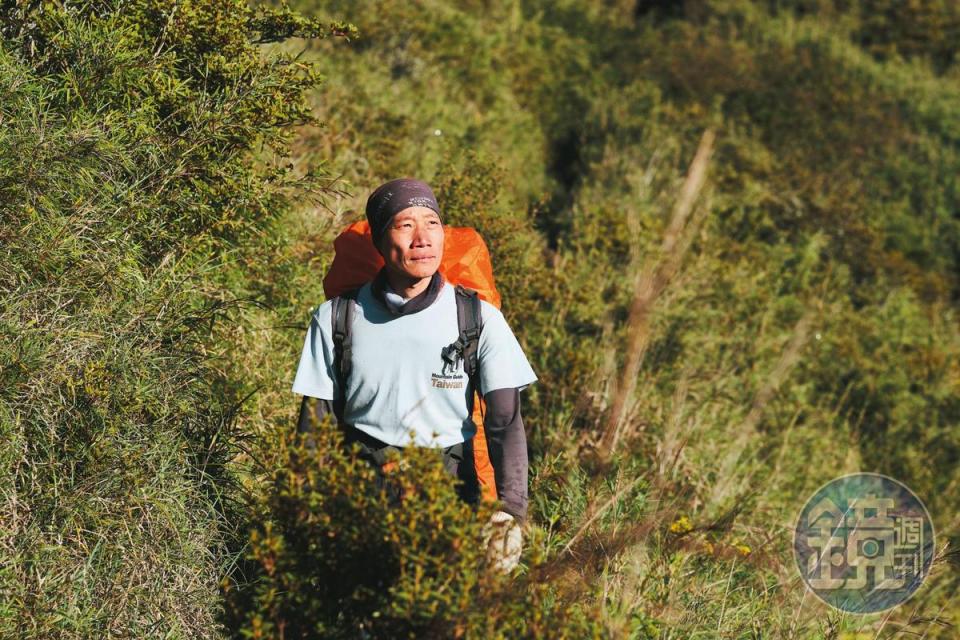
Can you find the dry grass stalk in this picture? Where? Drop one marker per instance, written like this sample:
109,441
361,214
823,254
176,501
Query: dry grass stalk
748,429
649,284
616,497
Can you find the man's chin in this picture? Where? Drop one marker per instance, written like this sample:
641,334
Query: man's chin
421,271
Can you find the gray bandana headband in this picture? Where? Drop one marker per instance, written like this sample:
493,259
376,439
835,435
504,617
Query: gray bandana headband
391,198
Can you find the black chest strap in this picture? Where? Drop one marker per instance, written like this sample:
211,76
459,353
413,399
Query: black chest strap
342,319
469,323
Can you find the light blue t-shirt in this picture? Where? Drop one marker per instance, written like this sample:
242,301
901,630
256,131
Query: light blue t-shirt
399,382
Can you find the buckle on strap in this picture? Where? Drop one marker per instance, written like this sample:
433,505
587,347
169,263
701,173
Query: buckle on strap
453,352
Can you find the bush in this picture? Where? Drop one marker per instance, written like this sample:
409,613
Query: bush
332,558
127,170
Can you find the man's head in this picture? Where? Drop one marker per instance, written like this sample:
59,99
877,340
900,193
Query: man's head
407,228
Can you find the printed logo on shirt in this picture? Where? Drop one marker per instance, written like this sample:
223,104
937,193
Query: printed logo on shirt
448,378
441,381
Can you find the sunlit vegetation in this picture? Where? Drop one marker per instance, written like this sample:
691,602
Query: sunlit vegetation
172,175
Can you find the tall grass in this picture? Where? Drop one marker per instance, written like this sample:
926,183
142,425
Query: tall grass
126,175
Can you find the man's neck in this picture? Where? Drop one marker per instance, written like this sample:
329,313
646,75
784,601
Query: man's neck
400,306
405,286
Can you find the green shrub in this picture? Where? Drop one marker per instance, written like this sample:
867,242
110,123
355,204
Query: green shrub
127,171
333,558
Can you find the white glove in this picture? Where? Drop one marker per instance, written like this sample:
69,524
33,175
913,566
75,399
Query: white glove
504,541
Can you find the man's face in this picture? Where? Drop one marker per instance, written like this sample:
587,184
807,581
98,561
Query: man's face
413,243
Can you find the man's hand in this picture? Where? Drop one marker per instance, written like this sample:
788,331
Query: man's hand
504,541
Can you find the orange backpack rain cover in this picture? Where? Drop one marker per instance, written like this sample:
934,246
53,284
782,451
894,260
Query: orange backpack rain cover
465,261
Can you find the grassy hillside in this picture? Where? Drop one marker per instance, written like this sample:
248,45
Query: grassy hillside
126,176
809,328
796,321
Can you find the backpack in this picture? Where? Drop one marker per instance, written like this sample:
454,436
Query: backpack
466,264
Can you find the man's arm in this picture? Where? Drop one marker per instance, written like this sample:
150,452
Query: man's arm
507,447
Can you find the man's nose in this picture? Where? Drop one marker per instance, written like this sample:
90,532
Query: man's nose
420,236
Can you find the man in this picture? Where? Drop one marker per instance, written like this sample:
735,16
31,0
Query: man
403,387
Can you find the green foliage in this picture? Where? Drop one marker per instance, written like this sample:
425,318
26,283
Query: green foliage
336,559
928,30
126,169
810,330
772,363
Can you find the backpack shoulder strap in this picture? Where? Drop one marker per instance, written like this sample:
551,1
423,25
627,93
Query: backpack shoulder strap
341,317
470,324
